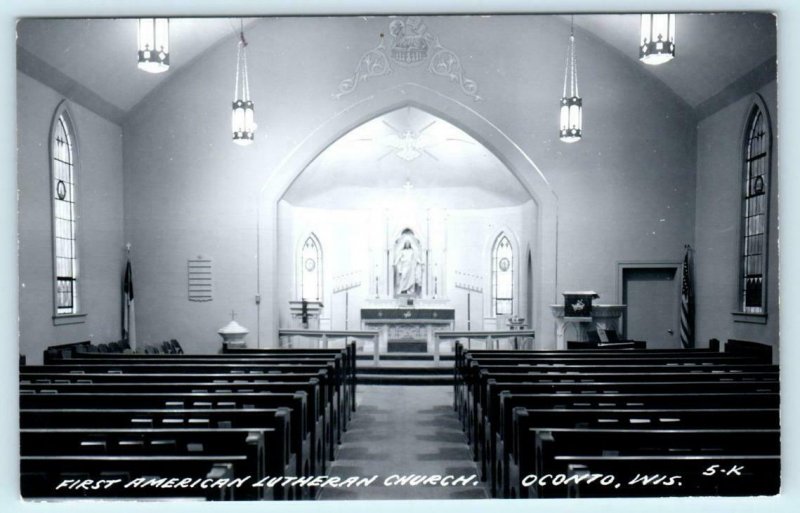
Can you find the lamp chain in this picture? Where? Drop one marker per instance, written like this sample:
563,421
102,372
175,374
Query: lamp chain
570,65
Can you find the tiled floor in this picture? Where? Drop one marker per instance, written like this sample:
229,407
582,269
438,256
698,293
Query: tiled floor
400,431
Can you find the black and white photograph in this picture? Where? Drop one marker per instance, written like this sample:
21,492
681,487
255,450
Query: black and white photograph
411,256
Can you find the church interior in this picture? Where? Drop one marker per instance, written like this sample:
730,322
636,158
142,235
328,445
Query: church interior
413,248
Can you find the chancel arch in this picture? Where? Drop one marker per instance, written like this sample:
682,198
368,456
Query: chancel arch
367,269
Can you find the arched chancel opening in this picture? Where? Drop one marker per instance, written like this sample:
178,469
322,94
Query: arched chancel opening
543,202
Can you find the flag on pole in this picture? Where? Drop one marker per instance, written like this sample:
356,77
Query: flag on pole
129,318
687,309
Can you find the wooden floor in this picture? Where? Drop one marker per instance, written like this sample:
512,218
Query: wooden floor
404,430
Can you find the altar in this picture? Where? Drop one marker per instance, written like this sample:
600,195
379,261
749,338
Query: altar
407,329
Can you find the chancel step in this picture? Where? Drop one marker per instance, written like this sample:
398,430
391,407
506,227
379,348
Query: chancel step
407,346
409,372
405,356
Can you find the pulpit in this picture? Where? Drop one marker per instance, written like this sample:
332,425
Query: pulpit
603,317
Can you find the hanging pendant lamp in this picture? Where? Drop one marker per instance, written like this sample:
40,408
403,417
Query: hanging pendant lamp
571,104
242,120
657,42
153,45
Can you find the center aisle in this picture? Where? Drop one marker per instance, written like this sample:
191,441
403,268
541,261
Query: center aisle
399,430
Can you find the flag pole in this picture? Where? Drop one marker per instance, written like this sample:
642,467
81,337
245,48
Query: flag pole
129,317
687,301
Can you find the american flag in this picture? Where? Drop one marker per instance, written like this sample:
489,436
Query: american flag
687,310
128,312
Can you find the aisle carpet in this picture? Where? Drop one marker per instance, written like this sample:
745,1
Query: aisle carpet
402,431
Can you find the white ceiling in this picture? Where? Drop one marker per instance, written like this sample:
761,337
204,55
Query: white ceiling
415,157
712,50
100,54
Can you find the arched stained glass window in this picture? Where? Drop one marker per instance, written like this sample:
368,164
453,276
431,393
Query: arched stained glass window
502,276
65,254
755,211
310,266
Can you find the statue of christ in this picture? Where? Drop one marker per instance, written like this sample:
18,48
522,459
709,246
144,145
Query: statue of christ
407,265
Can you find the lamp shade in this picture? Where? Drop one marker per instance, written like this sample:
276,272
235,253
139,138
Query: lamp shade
657,41
154,44
242,122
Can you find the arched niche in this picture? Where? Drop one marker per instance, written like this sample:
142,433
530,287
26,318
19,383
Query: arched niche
460,115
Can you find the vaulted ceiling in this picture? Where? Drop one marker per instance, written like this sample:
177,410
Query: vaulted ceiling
713,50
403,156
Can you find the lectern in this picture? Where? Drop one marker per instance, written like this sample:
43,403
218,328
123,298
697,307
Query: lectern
305,313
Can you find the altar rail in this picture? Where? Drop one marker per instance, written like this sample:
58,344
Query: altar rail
325,335
491,338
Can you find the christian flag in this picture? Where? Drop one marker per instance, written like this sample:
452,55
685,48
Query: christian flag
687,309
128,317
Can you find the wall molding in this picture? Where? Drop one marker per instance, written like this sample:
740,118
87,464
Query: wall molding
753,80
40,71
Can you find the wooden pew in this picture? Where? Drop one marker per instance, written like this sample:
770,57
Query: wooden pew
63,350
274,423
157,442
746,347
345,361
488,377
301,434
341,371
502,427
322,442
75,380
604,377
487,389
462,353
248,371
319,412
474,400
652,384
470,365
484,433
551,443
40,475
350,353
760,474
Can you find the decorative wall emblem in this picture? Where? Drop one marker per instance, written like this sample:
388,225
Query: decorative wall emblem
407,144
407,332
412,44
61,190
504,264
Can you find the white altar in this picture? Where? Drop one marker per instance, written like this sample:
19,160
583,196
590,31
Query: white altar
604,317
407,329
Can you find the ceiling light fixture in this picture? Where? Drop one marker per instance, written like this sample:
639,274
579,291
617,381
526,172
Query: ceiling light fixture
658,38
153,45
572,104
242,121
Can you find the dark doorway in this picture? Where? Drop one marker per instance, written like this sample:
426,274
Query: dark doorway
652,296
